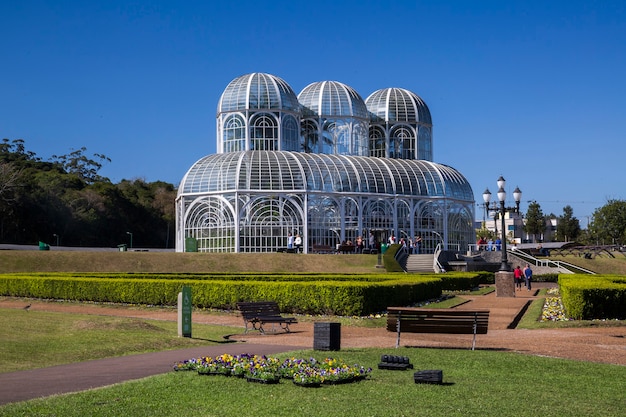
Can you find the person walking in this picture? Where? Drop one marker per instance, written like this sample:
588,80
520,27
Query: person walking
528,275
518,276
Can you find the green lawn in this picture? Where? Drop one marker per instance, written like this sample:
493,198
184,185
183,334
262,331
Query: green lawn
476,383
58,338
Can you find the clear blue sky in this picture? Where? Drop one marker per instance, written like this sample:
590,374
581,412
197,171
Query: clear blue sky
531,90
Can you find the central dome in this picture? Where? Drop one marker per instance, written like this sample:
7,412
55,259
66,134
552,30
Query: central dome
332,99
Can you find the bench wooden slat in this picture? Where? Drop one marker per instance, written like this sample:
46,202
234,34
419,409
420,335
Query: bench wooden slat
419,320
257,313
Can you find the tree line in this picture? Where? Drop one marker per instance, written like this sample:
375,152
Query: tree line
65,201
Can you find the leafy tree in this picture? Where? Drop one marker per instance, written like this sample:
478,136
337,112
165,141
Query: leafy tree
535,221
568,226
82,166
609,223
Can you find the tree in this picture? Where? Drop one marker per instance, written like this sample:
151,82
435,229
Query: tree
609,223
568,226
80,165
535,221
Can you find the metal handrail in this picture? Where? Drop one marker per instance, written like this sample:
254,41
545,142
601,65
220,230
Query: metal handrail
403,252
548,263
436,265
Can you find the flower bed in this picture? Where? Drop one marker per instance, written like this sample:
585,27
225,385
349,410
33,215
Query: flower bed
263,369
553,307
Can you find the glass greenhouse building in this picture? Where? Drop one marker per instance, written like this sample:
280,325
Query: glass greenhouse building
326,165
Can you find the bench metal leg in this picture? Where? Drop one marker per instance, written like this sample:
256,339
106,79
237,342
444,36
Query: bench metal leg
398,330
475,326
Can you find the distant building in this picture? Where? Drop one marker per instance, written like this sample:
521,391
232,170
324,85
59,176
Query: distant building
514,228
325,164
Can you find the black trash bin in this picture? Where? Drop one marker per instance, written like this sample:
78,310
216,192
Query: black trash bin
327,336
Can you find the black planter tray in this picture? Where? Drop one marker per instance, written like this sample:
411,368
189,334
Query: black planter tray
395,366
394,363
429,377
263,381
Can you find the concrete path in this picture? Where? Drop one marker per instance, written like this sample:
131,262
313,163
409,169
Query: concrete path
26,385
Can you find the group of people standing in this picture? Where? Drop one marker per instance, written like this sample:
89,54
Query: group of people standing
490,244
525,275
294,242
412,245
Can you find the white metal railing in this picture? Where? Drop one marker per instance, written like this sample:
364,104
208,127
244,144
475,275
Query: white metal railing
564,266
436,265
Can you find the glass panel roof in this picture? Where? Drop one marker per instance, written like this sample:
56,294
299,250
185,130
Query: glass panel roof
332,99
398,105
258,91
296,171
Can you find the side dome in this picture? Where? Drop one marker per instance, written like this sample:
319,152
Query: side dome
258,91
332,99
398,105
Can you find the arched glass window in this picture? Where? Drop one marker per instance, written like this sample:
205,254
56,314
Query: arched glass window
425,143
403,143
377,142
310,136
264,133
290,134
234,134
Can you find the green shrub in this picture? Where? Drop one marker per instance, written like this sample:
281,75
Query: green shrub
588,297
318,294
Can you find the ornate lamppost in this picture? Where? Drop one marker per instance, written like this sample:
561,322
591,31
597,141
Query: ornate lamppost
517,195
505,286
487,199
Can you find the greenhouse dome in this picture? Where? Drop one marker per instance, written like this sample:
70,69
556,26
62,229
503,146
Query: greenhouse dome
335,119
326,165
401,125
258,111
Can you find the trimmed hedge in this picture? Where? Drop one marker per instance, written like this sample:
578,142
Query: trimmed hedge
589,297
296,293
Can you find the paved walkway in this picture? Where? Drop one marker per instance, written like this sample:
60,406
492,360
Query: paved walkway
26,385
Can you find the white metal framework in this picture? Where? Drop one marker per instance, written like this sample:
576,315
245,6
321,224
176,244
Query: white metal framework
306,165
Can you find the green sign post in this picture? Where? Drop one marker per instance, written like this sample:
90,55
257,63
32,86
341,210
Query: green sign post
184,312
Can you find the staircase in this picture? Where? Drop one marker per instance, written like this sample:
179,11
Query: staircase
420,263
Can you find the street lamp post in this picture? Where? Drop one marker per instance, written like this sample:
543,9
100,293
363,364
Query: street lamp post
505,286
487,199
57,236
131,239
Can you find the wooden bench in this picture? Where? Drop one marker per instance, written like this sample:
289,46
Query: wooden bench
261,312
537,252
452,321
346,249
323,249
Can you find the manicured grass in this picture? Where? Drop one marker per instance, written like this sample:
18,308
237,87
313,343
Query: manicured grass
173,262
479,383
58,338
600,264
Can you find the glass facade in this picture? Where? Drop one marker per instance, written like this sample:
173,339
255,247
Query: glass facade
326,165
